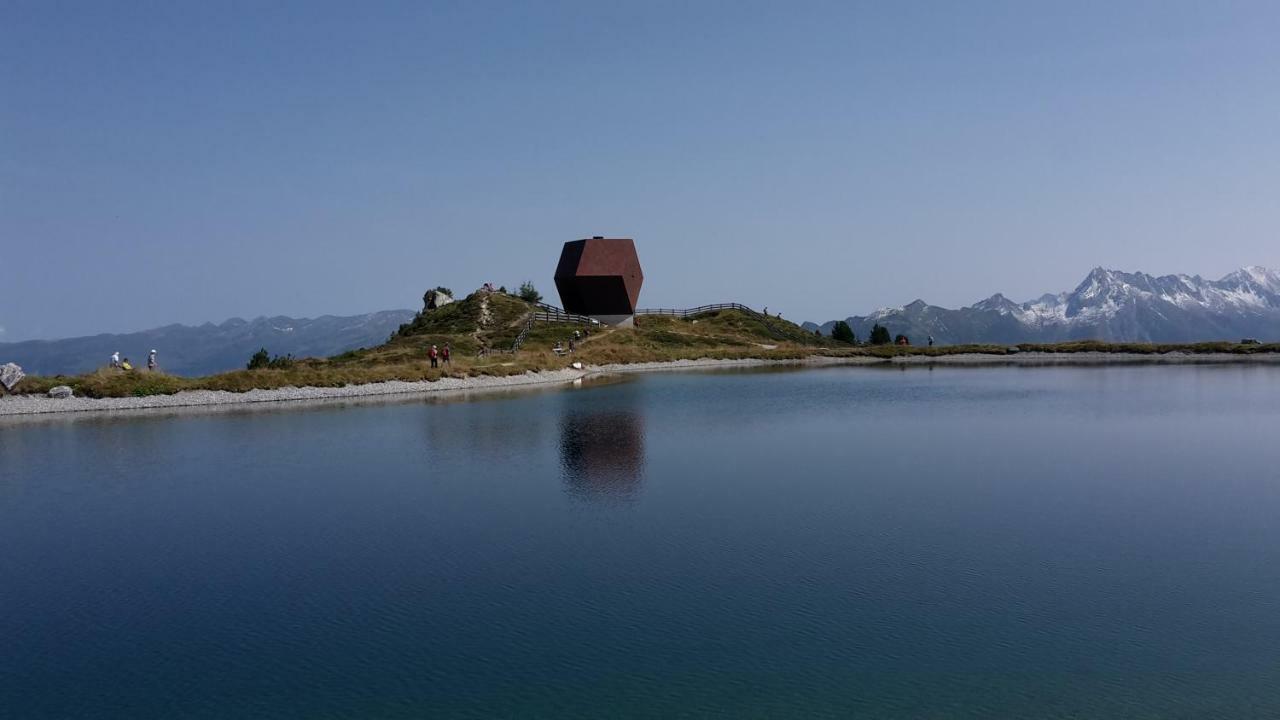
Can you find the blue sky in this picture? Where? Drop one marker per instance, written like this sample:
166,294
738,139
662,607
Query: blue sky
183,162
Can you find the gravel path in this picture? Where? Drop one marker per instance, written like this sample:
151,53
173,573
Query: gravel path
30,405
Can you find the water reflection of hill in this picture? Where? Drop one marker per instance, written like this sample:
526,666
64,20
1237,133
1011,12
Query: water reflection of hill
602,453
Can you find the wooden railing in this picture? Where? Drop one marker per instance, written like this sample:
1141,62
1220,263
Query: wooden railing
700,310
549,314
704,309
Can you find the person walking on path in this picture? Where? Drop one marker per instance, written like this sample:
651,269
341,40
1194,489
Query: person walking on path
151,361
434,354
930,341
115,359
444,355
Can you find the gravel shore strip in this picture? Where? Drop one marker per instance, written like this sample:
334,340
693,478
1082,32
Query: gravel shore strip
34,405
28,405
39,404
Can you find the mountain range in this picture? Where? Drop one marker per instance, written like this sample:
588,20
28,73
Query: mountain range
208,348
1107,305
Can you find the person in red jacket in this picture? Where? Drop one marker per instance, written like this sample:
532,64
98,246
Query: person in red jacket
444,355
434,354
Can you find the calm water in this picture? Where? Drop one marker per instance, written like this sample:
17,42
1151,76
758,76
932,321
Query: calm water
838,542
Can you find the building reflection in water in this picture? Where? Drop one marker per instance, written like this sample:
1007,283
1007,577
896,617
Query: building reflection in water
602,453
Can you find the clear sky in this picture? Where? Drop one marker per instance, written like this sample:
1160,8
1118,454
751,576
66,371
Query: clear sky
189,161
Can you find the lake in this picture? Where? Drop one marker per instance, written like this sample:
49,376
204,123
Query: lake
836,542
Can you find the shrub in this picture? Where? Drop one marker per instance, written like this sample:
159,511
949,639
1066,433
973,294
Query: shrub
260,359
529,293
879,335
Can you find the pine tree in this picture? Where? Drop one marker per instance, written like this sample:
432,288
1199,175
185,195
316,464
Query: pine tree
843,333
879,335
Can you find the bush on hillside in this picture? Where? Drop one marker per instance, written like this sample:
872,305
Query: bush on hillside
262,359
259,359
529,293
879,335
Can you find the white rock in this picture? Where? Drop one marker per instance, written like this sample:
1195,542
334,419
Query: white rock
10,375
61,392
435,299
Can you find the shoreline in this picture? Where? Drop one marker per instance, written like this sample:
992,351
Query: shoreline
19,406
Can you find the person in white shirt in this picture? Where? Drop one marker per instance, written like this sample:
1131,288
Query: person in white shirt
115,359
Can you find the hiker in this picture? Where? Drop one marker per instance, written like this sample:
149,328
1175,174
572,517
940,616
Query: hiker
434,354
151,361
115,359
930,341
766,311
124,365
571,345
444,355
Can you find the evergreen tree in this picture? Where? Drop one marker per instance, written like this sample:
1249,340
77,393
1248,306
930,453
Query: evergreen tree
879,335
843,333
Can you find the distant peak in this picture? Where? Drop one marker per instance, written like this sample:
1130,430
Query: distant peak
996,302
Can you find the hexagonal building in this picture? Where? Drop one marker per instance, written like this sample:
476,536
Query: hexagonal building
600,277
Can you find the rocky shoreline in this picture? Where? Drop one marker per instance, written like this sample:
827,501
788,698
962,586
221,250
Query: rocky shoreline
38,405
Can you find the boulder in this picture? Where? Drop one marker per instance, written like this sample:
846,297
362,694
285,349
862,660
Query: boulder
10,375
61,392
435,299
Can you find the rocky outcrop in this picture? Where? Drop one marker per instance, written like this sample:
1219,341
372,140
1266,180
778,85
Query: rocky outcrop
10,375
435,299
61,392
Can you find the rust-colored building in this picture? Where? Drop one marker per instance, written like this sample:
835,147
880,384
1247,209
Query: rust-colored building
600,277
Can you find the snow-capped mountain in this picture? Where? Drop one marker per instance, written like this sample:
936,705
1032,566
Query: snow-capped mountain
1107,305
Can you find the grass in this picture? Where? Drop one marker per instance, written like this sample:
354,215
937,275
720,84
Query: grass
725,334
